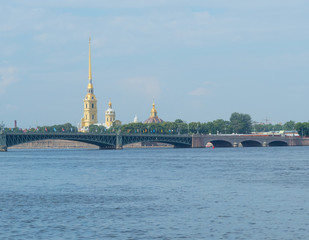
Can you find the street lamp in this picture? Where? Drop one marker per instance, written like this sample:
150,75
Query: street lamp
302,132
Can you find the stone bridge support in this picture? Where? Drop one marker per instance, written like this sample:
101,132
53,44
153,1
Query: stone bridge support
119,142
3,146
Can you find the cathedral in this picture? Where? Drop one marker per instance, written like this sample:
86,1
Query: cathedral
153,116
90,106
90,116
90,102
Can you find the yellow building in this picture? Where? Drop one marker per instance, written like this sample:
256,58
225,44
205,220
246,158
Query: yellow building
110,116
90,102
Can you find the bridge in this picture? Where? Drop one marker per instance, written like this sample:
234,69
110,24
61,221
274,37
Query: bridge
103,141
117,141
238,140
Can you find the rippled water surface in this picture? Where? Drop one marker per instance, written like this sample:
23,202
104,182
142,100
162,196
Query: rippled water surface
235,193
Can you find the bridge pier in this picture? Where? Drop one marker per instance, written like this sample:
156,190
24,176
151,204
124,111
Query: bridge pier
3,148
3,144
265,144
235,144
119,142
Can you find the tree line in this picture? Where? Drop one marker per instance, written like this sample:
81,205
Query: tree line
67,127
238,123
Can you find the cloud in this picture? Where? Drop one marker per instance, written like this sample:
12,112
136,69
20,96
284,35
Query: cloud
199,92
143,86
7,77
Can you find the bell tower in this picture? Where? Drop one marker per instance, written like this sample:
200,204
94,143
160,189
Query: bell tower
110,115
90,102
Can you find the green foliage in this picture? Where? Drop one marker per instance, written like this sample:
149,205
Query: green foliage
267,127
302,128
67,127
179,121
241,123
97,129
14,130
290,125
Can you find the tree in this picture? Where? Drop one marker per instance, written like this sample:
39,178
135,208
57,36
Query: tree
179,121
261,127
221,126
96,129
302,128
290,125
241,123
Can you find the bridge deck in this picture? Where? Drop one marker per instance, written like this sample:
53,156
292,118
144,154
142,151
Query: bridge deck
116,141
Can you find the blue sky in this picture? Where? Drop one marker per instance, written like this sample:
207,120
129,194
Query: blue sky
200,60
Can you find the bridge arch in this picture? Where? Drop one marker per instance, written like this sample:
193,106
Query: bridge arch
278,144
221,143
174,143
55,143
104,142
251,143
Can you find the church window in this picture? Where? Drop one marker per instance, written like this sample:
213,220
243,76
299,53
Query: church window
92,97
92,116
86,117
86,105
92,105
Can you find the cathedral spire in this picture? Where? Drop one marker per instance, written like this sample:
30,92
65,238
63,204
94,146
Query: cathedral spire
90,102
90,76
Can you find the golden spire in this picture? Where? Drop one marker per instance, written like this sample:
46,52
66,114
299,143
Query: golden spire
110,104
90,77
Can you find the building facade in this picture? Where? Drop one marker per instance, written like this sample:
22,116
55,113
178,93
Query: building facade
110,116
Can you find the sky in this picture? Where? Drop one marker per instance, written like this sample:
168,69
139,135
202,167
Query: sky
200,60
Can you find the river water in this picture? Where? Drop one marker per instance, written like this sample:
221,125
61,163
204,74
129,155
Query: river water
227,193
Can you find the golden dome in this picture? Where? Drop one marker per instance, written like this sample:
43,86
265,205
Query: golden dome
153,112
153,116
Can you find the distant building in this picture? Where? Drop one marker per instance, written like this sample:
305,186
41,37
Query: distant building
135,119
90,103
110,116
153,116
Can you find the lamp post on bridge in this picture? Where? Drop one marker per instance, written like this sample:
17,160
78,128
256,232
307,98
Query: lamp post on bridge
302,132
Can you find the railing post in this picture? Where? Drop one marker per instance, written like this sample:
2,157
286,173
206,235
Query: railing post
3,146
